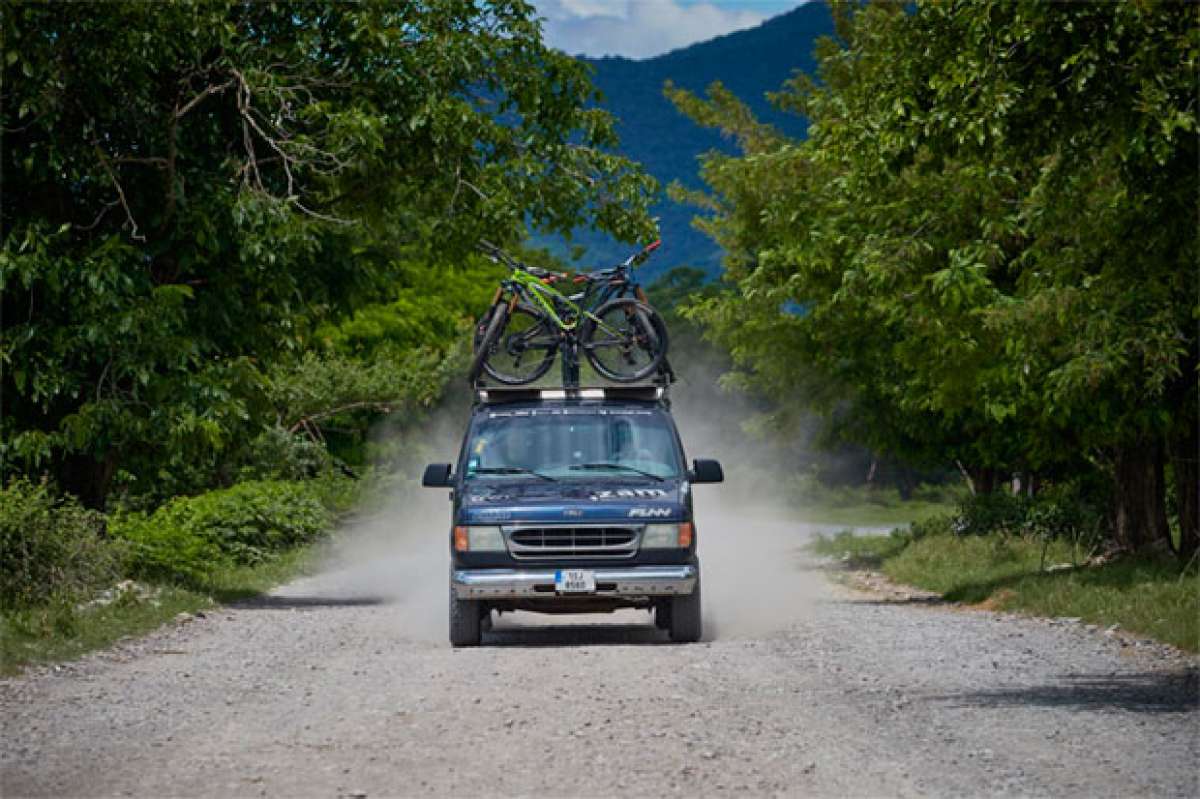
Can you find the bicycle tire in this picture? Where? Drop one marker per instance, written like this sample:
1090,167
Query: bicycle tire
526,331
641,348
496,317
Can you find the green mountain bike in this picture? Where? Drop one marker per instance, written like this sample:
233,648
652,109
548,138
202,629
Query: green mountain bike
530,322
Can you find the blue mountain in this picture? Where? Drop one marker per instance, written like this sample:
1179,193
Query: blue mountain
750,63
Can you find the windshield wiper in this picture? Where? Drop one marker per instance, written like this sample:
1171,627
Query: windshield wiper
511,470
621,466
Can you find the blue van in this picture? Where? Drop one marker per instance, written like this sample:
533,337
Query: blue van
572,501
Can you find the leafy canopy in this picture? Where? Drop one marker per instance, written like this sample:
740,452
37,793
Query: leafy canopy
192,189
982,251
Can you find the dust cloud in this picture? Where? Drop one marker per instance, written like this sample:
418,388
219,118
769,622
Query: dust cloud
395,551
751,541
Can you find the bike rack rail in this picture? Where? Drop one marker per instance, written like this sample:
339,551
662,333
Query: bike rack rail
508,394
656,389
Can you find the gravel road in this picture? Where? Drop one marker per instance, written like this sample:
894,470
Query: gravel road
341,684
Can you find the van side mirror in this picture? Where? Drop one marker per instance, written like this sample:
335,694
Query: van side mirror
706,471
437,475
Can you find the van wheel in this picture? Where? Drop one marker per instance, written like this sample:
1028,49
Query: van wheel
466,618
684,618
662,614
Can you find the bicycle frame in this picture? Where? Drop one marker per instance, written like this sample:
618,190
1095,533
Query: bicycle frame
545,298
532,288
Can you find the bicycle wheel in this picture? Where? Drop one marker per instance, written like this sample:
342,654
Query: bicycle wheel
523,348
487,331
629,341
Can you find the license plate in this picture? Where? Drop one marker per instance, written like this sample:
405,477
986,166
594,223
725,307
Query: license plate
575,581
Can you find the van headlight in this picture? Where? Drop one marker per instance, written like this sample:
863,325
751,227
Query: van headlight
677,535
478,539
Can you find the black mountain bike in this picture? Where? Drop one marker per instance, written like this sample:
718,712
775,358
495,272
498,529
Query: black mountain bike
530,322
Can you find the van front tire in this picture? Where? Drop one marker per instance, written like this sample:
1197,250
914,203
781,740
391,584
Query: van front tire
466,617
685,621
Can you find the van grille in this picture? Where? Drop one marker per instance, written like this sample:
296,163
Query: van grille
564,543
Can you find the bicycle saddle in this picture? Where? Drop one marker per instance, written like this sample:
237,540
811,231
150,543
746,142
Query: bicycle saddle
544,275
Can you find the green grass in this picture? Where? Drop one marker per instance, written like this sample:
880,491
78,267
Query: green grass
60,631
870,514
860,506
1149,595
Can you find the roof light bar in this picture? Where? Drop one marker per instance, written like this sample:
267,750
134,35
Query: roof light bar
506,394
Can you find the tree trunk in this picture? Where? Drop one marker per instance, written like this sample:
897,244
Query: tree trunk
906,483
1140,511
980,479
984,479
88,478
1185,463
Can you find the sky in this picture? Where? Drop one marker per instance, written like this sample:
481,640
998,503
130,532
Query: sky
646,28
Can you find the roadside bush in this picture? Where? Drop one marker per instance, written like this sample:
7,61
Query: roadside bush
246,524
276,454
340,494
1062,511
994,512
1058,511
162,550
940,524
50,547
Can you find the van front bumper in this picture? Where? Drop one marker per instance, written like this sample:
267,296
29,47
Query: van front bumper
631,581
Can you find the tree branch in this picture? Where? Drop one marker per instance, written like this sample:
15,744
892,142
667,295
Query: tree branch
120,194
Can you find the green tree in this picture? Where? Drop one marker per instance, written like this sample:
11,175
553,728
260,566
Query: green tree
190,189
984,233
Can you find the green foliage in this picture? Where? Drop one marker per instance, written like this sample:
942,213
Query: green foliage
319,386
976,254
1058,511
938,524
51,549
997,512
427,308
1065,511
162,552
252,522
679,288
278,454
193,189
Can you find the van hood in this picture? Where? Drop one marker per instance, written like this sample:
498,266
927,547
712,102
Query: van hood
511,501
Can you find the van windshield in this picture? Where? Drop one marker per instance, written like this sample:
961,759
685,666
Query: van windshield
571,443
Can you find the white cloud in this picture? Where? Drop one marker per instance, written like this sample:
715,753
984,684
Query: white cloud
636,28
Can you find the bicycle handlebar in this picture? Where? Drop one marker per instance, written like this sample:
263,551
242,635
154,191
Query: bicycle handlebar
497,254
642,254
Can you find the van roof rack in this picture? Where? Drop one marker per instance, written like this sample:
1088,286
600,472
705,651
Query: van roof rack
495,395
